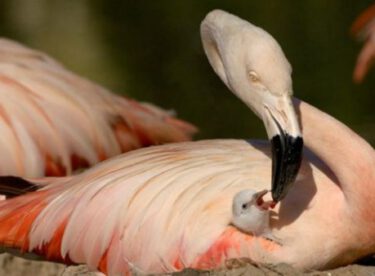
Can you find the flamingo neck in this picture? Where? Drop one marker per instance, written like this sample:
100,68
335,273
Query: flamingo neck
348,156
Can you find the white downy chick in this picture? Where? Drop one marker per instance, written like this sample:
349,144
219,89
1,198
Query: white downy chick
250,212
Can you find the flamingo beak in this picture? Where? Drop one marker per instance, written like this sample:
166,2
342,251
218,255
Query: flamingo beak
260,194
261,203
287,146
286,161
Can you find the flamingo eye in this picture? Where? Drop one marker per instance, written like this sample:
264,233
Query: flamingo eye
253,76
245,205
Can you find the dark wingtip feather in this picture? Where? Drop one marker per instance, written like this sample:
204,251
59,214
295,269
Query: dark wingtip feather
12,186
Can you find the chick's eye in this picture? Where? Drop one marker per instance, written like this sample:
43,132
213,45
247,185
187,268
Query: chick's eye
253,76
244,206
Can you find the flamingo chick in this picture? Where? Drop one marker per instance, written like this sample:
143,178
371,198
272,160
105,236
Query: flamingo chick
166,208
250,214
53,122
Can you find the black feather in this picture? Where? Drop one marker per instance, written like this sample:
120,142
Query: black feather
12,186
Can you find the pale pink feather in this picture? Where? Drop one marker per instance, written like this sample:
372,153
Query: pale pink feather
62,119
164,208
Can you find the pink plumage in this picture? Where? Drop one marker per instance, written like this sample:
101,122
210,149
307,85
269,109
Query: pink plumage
53,122
169,207
166,208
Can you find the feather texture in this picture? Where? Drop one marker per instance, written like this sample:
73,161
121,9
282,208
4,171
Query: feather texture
170,203
164,208
53,121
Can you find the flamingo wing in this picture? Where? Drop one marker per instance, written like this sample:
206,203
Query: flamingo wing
361,26
55,121
157,209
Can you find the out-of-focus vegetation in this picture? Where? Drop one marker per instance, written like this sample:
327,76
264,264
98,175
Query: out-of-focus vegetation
151,51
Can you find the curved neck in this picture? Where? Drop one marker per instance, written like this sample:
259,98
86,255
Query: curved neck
348,156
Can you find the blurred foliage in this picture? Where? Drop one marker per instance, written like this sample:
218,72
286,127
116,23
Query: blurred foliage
151,51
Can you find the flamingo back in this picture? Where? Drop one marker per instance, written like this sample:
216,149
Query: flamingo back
159,209
54,122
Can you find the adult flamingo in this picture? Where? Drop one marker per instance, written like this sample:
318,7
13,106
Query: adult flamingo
53,122
164,208
363,28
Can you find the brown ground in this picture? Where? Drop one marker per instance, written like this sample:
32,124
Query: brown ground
14,266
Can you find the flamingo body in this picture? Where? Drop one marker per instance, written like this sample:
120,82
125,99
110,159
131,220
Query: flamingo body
363,28
169,207
53,122
174,202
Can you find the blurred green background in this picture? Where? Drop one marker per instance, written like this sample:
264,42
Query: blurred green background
151,51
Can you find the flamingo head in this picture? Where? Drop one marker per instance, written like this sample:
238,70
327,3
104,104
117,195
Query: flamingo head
250,212
253,66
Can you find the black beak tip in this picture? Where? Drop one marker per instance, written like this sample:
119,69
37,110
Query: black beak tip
286,161
280,194
276,197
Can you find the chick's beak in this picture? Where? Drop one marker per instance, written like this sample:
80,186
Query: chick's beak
261,203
